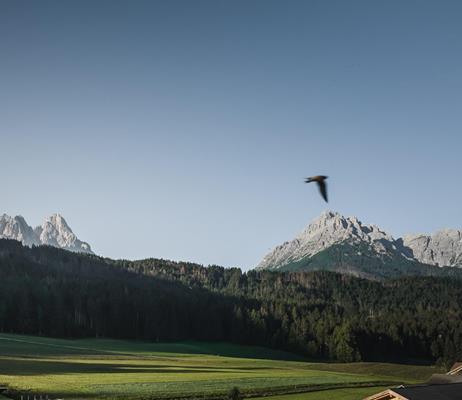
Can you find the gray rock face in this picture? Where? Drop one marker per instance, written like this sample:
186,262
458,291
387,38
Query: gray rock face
328,229
17,228
443,248
53,232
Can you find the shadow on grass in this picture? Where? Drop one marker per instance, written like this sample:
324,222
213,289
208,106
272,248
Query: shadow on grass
29,367
23,345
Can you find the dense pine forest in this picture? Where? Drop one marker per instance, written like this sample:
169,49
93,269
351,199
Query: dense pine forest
52,292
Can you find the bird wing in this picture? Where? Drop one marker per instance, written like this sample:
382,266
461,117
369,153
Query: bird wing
323,189
312,179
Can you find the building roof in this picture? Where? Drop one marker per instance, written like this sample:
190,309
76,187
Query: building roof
456,369
385,395
451,391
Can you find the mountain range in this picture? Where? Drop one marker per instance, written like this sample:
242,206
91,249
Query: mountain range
345,244
330,242
54,231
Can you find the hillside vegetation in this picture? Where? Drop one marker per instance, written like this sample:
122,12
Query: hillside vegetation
51,292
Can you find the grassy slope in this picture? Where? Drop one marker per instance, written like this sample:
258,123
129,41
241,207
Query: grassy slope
113,369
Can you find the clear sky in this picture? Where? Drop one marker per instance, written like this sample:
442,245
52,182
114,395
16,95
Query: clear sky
184,129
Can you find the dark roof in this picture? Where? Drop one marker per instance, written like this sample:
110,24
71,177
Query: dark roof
431,392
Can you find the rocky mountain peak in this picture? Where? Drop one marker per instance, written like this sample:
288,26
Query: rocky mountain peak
328,229
17,228
444,248
54,231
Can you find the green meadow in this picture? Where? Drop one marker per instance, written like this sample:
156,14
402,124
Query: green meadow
110,369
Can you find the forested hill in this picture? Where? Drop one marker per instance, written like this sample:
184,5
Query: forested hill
52,292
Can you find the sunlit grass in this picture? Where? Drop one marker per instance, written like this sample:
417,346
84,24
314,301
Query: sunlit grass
93,368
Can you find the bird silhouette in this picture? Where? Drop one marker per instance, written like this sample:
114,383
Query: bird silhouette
320,180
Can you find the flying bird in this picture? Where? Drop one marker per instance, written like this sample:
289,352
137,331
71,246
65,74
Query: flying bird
320,180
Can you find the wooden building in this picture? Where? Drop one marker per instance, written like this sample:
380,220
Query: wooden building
439,387
451,391
456,369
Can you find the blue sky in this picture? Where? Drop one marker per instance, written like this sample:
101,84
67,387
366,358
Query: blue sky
184,129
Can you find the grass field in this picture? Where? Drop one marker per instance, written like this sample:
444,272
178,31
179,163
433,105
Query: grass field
103,369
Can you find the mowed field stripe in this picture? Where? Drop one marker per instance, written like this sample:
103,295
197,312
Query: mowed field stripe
98,369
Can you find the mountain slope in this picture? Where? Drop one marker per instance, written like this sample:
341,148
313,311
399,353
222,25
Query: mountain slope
345,244
443,248
53,232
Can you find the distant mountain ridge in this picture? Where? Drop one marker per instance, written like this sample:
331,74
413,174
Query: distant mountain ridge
54,231
442,248
345,244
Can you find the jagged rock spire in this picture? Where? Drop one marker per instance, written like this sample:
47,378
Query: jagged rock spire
53,232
